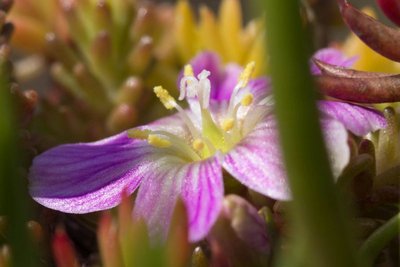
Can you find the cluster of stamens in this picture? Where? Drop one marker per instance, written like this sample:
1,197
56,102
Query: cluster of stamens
209,136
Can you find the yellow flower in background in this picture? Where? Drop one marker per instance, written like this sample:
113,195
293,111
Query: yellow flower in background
224,34
368,59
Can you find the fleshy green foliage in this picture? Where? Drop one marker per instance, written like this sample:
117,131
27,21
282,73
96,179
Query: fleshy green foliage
106,55
13,189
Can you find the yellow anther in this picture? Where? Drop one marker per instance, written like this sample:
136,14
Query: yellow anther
188,70
228,124
157,141
165,98
139,134
245,75
198,144
247,100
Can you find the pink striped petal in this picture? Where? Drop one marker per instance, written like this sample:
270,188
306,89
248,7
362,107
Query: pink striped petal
172,124
257,161
200,186
332,56
336,137
87,177
357,119
228,81
260,88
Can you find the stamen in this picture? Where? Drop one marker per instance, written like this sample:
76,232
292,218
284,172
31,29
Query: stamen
247,100
170,103
245,75
192,87
187,121
198,144
188,70
187,88
242,82
187,80
178,144
204,89
157,141
209,135
139,134
228,124
165,98
203,75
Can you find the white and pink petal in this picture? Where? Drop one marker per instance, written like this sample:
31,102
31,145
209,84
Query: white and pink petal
357,119
173,124
336,140
257,160
200,186
87,177
332,56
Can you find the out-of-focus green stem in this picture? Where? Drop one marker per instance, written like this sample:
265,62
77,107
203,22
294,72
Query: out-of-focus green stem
320,228
378,240
13,193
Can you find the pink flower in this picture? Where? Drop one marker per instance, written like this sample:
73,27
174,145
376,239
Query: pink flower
229,125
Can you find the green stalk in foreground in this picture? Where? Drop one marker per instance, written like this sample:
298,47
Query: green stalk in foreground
13,195
319,226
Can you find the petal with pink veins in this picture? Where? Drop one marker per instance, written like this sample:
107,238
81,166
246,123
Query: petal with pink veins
336,140
87,177
332,56
357,119
257,160
200,186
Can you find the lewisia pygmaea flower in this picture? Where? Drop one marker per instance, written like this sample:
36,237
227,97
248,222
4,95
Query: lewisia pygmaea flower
229,125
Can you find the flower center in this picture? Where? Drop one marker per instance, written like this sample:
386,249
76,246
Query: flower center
210,129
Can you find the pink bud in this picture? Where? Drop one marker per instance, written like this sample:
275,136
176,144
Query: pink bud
246,222
240,236
63,250
107,236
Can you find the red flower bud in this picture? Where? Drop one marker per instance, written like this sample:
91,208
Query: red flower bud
63,250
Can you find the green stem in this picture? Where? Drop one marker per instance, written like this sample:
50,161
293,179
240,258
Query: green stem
378,240
13,188
322,232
